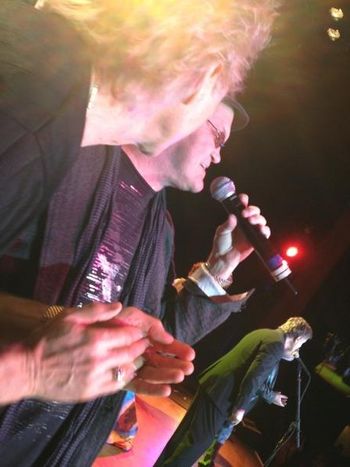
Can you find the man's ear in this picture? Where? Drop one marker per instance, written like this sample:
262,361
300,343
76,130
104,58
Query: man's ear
203,84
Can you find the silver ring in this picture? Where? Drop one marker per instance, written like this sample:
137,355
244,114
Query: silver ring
118,374
139,362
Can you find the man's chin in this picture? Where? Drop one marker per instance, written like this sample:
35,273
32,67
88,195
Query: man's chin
197,188
152,149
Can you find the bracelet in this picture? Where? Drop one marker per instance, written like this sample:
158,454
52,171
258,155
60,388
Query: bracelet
224,283
52,311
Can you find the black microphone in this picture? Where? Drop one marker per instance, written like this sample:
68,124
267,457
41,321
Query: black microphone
222,189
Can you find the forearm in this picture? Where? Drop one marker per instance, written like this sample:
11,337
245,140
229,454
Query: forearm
19,317
265,361
268,395
190,315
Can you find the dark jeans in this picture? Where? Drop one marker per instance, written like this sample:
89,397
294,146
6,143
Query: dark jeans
197,431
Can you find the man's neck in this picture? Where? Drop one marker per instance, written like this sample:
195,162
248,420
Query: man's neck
150,168
114,130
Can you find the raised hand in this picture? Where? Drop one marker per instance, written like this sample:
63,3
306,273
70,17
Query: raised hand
230,246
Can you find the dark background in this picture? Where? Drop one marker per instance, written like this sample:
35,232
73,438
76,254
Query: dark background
293,161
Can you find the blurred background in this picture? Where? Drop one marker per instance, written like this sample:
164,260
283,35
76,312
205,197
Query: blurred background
294,161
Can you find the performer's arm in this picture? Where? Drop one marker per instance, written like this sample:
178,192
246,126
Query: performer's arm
201,303
267,357
277,398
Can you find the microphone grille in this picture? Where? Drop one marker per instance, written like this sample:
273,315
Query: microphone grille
222,188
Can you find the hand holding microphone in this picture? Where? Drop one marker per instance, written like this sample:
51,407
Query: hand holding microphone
223,190
230,246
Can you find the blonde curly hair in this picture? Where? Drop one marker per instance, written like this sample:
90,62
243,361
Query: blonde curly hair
159,43
296,326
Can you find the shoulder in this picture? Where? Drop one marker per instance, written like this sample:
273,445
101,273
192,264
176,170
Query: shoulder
273,340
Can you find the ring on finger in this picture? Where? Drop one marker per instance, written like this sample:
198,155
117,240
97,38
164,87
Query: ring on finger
139,362
118,374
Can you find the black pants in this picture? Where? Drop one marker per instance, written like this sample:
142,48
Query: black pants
195,433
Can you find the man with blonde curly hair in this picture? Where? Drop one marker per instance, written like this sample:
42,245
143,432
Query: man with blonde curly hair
81,72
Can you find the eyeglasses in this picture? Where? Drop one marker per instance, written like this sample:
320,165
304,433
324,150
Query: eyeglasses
220,136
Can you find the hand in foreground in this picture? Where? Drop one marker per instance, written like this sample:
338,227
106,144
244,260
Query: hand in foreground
166,361
230,246
162,368
280,399
77,354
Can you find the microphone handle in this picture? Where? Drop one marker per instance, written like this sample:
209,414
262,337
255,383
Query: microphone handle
274,263
262,246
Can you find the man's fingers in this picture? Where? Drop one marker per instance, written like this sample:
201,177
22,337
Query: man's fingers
160,360
118,336
96,312
257,219
227,227
177,349
122,356
266,231
159,335
143,387
93,341
254,216
151,326
158,375
251,211
244,198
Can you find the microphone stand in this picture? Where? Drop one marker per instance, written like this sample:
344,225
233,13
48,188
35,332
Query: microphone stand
295,425
285,437
297,416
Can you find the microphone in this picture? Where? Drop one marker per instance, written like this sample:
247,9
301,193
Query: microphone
222,189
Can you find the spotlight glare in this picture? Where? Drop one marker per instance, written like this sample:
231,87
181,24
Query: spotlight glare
292,251
333,34
336,13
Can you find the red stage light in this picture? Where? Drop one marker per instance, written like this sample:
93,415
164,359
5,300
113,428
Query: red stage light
292,251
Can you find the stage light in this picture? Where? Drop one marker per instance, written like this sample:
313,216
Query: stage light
336,13
292,251
333,34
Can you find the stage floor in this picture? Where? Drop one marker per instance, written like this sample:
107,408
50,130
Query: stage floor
158,418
